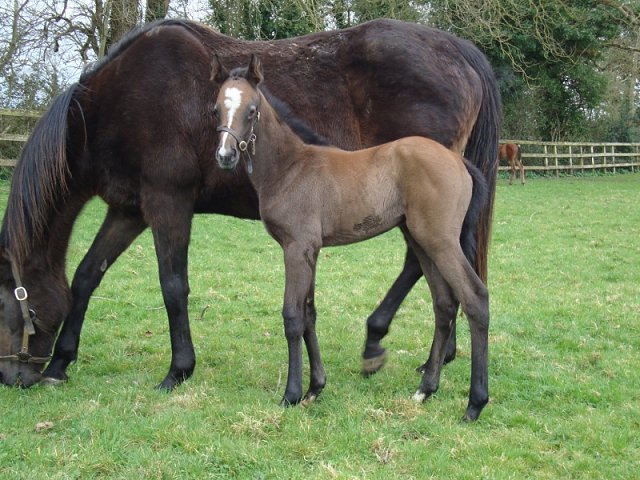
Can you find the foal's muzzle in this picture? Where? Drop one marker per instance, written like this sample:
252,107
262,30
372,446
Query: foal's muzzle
228,160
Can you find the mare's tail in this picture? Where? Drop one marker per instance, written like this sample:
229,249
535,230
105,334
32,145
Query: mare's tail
477,205
482,151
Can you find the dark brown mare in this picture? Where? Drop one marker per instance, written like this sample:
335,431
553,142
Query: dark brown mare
138,131
314,196
511,153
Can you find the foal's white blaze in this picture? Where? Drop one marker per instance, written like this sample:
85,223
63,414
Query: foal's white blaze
232,101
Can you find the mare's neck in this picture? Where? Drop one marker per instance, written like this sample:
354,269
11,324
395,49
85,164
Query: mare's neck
45,255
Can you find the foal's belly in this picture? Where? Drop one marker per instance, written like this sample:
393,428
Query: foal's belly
347,229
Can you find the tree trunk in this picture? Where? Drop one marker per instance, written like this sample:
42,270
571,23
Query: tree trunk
156,10
124,16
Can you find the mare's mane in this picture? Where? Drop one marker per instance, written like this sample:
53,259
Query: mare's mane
300,128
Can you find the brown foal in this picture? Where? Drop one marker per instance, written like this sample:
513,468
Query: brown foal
315,196
512,154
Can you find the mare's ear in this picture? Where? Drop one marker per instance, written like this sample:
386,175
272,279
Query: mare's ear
218,72
254,72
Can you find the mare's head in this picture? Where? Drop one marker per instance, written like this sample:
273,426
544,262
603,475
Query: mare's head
25,342
237,109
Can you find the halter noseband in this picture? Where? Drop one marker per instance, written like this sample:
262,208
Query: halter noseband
243,145
29,317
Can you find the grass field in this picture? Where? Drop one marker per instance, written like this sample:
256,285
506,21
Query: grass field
564,359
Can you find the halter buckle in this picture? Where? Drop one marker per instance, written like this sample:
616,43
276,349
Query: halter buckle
23,356
21,294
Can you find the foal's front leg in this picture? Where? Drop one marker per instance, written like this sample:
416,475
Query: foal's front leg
299,263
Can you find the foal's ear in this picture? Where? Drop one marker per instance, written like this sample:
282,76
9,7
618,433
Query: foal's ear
254,72
218,72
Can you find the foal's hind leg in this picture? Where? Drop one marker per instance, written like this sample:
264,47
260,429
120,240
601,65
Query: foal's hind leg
117,232
465,285
445,308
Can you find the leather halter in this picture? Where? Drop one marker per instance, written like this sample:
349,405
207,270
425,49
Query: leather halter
29,317
243,145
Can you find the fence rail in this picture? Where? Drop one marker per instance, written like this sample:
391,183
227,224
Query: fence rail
572,157
545,157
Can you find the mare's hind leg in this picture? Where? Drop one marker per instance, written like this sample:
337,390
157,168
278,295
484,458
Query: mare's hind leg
169,215
117,232
468,289
379,321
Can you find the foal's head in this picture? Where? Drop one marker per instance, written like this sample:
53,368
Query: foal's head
237,109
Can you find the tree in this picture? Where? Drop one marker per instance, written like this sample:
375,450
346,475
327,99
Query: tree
547,56
44,38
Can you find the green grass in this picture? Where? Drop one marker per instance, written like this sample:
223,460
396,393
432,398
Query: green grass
564,350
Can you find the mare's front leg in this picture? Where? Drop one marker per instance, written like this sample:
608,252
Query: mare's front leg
169,215
299,263
118,230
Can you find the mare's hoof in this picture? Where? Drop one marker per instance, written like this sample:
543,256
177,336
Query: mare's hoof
372,365
54,382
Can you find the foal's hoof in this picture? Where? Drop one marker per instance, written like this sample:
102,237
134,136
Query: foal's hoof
308,399
285,402
473,412
372,365
420,396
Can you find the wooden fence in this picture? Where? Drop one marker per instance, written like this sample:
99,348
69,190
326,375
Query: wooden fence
571,157
544,157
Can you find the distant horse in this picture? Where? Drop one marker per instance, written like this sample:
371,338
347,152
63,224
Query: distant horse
138,131
313,196
512,154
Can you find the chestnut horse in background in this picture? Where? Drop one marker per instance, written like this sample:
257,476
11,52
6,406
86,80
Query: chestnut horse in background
314,196
138,131
512,153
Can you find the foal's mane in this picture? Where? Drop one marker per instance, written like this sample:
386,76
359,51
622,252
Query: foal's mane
300,128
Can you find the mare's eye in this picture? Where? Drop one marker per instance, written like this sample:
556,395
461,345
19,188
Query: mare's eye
216,112
252,111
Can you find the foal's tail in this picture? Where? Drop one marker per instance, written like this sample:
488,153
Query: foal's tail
478,204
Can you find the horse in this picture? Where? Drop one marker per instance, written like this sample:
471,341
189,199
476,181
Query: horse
512,154
315,196
137,130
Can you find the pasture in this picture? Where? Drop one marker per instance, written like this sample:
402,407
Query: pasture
564,280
